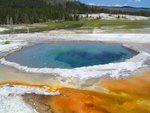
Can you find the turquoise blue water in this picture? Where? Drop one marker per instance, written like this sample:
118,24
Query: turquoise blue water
70,54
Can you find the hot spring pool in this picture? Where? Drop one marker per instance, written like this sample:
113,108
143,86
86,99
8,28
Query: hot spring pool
70,54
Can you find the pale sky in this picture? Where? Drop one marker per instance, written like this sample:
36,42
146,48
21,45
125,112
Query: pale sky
134,3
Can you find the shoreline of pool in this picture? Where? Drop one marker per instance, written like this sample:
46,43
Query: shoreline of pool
17,41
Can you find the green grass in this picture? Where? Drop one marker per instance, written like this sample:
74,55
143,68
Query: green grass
48,26
88,25
128,24
53,25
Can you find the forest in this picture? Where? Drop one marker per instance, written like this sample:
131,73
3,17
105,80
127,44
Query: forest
34,11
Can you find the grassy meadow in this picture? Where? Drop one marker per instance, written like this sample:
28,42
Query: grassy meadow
80,25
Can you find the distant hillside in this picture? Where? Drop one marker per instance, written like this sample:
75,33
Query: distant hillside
30,3
55,1
125,10
31,11
22,3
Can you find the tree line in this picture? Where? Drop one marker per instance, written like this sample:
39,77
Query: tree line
33,11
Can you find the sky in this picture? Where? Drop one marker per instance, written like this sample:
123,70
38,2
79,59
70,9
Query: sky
134,3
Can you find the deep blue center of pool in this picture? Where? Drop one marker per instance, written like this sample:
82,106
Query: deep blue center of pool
70,54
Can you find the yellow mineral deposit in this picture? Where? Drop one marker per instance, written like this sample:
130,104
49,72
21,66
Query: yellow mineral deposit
130,95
